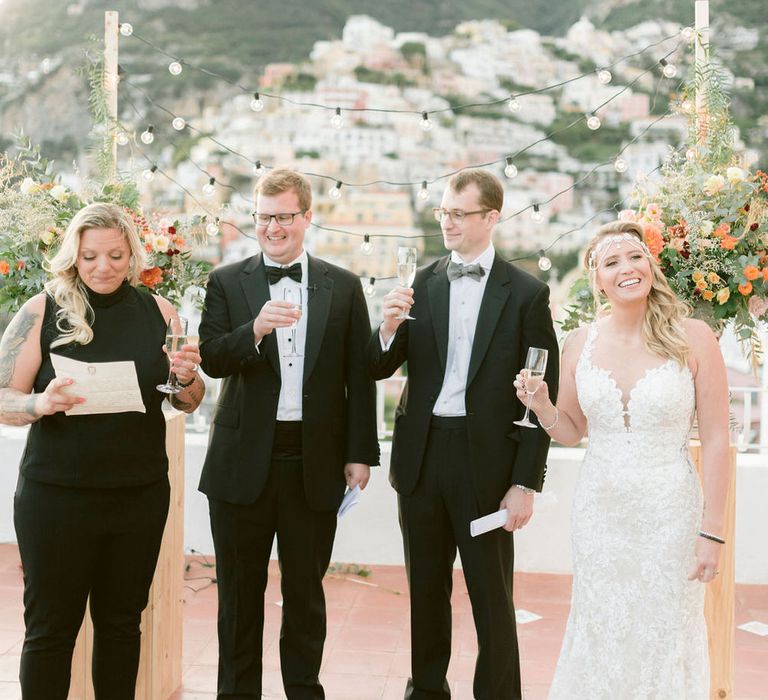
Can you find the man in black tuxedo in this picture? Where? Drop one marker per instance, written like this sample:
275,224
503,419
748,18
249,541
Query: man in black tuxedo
295,423
456,452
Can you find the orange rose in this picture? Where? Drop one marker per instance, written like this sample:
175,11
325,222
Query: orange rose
728,242
751,272
765,274
707,295
5,268
745,289
653,239
722,230
151,277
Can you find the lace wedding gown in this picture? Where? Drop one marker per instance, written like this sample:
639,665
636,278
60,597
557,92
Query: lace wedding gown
636,627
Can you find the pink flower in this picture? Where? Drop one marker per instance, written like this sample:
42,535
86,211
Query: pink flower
653,211
757,306
627,215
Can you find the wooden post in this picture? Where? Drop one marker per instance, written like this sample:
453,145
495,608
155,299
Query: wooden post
719,606
110,79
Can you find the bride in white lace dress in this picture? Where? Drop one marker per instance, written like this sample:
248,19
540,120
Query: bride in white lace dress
645,537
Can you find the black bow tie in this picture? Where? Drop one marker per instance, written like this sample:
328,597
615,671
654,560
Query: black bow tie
457,269
275,274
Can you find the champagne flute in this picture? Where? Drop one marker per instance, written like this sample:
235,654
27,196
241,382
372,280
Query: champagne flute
175,337
535,365
406,271
293,294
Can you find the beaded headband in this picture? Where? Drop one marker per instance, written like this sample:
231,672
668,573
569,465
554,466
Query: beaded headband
604,246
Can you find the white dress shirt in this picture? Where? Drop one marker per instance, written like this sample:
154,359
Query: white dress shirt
465,298
291,368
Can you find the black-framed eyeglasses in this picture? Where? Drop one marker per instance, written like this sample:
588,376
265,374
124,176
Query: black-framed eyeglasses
283,219
456,215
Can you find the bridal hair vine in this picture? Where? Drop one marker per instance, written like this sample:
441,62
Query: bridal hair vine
604,246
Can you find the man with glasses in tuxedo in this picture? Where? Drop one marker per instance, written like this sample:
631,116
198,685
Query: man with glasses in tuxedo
295,424
456,452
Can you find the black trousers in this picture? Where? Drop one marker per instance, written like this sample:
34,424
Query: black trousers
78,542
242,537
434,521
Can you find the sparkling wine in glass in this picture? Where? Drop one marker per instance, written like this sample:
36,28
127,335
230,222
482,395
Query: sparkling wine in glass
175,337
535,366
406,271
293,294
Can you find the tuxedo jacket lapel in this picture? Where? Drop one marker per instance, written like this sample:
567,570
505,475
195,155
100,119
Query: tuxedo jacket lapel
256,290
439,291
317,308
497,291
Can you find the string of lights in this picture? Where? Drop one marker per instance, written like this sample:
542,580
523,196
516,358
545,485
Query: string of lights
177,64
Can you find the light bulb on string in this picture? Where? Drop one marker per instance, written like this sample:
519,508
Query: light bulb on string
544,262
256,104
335,191
178,123
536,214
604,76
593,122
337,121
148,135
122,138
369,289
210,187
175,68
366,247
510,169
688,34
258,169
513,105
149,173
620,165
126,29
669,70
212,228
687,106
690,154
426,122
424,191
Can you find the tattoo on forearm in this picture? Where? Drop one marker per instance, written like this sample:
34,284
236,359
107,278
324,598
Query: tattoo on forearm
193,396
11,343
17,408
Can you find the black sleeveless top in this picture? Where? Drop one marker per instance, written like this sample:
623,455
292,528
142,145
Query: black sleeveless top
114,449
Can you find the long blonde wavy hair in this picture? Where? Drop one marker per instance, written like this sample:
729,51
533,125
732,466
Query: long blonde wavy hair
663,331
75,315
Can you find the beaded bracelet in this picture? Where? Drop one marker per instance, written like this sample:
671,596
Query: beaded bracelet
184,385
710,536
554,422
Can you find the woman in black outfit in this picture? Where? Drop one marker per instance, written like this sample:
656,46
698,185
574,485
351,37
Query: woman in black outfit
92,496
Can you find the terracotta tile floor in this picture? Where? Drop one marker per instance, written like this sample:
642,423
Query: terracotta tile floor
367,649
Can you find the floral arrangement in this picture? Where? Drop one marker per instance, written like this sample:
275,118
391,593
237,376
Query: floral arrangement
706,222
35,210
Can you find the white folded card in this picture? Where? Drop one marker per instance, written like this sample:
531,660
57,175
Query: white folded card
107,387
488,522
351,497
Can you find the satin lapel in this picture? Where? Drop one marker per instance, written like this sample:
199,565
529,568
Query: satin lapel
497,291
256,290
320,295
439,291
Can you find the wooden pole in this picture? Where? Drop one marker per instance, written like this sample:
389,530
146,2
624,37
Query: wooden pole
110,80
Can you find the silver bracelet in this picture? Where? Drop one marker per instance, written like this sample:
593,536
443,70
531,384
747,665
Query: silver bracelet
524,488
547,428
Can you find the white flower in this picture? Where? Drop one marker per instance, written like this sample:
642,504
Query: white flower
713,184
59,193
707,227
706,243
160,244
47,236
735,175
28,186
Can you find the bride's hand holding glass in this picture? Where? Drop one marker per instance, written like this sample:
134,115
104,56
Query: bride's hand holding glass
529,383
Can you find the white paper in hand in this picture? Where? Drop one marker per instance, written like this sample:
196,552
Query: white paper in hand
351,497
488,522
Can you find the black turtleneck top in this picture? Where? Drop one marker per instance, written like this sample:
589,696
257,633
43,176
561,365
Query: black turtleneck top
104,450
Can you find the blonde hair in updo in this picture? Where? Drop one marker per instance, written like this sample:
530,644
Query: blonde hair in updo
663,331
75,315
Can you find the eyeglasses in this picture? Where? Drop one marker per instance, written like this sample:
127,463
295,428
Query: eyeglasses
282,219
456,215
